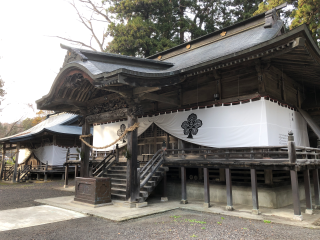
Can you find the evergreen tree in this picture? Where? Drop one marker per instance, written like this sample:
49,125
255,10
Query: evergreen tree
308,12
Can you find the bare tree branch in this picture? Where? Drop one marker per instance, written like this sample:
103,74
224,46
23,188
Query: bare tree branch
74,41
96,10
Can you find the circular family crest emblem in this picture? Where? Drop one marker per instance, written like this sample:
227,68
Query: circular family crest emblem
190,127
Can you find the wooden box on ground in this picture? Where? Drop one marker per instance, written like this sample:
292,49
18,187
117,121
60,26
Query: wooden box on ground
93,190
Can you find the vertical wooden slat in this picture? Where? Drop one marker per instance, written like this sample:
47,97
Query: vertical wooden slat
206,188
164,197
183,186
229,206
254,187
307,188
76,171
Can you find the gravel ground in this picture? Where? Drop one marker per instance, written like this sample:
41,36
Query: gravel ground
177,224
23,194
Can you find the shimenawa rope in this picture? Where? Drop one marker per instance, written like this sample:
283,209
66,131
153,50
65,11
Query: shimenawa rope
129,129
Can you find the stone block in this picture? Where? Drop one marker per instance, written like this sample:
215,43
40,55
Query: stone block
309,211
141,204
255,212
229,208
164,199
298,217
206,205
184,201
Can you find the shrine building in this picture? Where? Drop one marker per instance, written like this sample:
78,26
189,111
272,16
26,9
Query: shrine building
226,117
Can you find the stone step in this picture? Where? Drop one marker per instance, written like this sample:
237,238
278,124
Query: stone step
147,188
118,191
118,181
143,194
118,168
116,176
118,197
117,185
120,172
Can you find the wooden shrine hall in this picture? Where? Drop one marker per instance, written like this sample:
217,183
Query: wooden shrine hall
241,100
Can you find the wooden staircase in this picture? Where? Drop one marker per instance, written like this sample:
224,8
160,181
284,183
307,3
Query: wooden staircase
118,172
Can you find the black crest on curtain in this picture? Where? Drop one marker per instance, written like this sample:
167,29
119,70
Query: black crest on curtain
121,131
190,127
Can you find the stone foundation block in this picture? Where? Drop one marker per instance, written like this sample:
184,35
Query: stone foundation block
309,211
184,201
164,199
298,217
229,208
255,212
206,205
142,204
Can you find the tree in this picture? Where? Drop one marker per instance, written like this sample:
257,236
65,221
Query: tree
2,91
308,12
299,12
40,116
144,27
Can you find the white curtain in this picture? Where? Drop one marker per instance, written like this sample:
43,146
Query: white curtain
258,123
54,155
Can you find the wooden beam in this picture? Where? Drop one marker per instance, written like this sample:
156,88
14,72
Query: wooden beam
307,188
159,98
140,90
315,173
229,206
85,150
14,176
107,116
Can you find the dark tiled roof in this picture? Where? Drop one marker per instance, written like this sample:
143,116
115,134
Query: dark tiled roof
179,63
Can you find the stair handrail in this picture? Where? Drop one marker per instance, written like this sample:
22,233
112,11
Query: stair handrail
154,158
155,168
101,163
102,168
109,163
25,171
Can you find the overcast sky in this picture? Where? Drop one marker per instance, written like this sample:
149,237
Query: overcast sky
29,58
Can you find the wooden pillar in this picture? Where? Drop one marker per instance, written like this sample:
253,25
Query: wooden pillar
184,199
66,176
315,173
14,176
3,160
254,187
307,189
229,206
206,188
85,150
62,176
295,195
133,185
76,171
164,197
38,176
18,178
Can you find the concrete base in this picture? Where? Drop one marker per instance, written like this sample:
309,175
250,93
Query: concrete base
316,207
164,199
206,205
298,217
184,201
229,208
92,205
65,186
309,211
276,197
255,212
142,204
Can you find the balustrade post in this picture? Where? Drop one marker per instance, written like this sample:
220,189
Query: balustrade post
45,173
254,187
183,186
66,177
307,188
206,188
164,197
3,161
294,178
315,173
75,171
14,176
229,206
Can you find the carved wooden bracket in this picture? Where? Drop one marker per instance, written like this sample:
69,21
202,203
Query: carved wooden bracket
107,116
